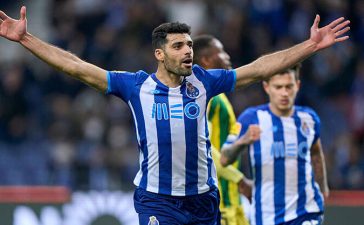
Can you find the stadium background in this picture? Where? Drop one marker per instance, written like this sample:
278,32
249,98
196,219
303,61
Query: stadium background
64,133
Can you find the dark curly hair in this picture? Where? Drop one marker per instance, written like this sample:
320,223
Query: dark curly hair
159,34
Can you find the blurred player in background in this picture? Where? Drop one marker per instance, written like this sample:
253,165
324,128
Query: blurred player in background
210,54
286,154
176,183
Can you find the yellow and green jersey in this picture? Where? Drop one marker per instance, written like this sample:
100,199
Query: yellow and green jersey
222,123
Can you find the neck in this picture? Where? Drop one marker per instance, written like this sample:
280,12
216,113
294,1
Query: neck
167,78
281,113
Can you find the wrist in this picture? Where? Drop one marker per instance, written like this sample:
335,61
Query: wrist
311,45
25,38
242,142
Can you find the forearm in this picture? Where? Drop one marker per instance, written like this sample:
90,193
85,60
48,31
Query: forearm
271,64
230,153
229,173
66,62
319,167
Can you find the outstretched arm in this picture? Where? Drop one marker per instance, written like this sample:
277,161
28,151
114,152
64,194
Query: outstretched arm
16,30
271,64
319,168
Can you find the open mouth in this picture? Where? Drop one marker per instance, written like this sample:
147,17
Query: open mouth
187,62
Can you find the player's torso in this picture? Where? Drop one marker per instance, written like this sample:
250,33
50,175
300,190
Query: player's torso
283,139
173,136
281,162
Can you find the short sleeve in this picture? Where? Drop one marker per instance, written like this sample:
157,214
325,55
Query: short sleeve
121,84
221,81
245,119
317,126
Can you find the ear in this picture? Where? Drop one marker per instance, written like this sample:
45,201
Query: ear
298,85
159,54
205,61
266,87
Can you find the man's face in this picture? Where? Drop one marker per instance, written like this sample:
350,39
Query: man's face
178,54
218,58
282,91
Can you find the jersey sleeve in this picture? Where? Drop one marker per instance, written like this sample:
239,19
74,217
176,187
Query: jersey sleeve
221,81
245,119
121,84
317,126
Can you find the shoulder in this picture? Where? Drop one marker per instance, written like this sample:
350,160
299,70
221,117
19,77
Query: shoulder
220,101
250,114
137,77
213,104
200,71
198,68
254,109
309,111
139,73
217,99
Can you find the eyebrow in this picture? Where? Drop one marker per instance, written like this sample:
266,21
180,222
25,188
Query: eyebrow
181,42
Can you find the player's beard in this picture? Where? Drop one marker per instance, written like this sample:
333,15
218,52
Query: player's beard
172,67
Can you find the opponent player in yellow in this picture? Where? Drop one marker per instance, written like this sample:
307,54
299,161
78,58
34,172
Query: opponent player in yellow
210,54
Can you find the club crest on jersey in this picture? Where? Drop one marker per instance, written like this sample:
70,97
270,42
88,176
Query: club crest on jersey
305,129
191,91
153,221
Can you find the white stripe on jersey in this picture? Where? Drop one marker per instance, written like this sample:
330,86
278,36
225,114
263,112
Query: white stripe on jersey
178,151
291,169
147,101
201,131
311,204
139,175
267,191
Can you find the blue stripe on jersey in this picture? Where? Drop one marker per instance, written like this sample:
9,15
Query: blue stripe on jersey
301,164
142,136
164,141
210,180
317,196
191,149
258,183
279,170
258,177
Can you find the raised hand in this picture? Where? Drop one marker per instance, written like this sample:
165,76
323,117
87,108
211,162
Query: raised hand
251,135
12,29
330,34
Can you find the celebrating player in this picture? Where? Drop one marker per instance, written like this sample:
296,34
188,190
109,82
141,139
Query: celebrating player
286,155
176,183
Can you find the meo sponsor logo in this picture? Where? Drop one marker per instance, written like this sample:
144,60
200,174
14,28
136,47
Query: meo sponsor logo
176,111
281,150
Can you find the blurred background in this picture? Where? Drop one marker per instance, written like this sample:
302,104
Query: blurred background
57,131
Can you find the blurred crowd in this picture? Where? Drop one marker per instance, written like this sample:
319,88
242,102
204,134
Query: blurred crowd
57,131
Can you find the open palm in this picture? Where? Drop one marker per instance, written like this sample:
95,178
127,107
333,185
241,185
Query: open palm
12,29
330,34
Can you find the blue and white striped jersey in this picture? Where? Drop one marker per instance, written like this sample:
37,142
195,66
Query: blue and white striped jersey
171,128
284,185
